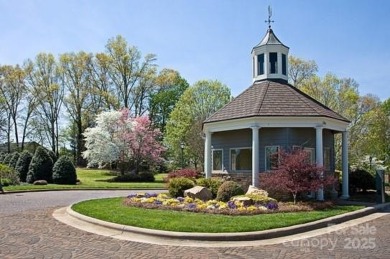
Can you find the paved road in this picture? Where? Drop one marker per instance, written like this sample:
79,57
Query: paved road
28,230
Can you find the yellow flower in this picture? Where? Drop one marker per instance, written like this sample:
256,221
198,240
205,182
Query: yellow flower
188,199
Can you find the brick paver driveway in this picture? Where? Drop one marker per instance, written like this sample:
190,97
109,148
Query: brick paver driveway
28,230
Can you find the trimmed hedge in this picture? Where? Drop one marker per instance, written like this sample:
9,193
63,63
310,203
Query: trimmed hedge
7,158
41,166
177,186
229,189
361,179
64,171
13,160
140,177
212,184
23,164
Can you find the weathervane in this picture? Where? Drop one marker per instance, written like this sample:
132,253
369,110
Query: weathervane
269,21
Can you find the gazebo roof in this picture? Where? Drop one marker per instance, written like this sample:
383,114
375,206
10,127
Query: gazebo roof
273,98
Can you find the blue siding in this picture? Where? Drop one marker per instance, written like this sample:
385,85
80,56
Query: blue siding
286,138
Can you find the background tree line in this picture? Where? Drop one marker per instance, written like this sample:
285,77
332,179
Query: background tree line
52,100
369,130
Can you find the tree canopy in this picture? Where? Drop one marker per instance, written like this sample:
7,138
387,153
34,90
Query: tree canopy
122,139
185,122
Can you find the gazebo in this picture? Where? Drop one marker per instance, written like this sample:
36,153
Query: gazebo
241,137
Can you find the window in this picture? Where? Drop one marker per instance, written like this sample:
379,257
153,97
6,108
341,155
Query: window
260,64
273,60
271,157
241,159
284,64
217,160
312,154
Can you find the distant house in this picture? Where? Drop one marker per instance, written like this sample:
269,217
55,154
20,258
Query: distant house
270,115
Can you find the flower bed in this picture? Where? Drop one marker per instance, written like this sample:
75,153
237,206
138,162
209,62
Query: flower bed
232,207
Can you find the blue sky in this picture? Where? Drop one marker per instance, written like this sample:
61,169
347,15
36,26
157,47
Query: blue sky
209,39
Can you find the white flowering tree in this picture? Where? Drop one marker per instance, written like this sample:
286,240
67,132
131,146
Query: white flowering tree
119,138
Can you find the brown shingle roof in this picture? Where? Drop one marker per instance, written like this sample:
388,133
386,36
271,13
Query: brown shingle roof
273,99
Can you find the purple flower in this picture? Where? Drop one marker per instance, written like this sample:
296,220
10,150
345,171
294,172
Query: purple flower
191,206
132,196
180,199
148,195
272,206
157,202
231,205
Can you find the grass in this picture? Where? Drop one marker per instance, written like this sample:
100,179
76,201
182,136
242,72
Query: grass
93,179
112,210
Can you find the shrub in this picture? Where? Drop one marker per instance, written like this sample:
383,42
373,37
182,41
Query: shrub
132,177
7,158
295,174
2,156
146,176
64,171
13,160
52,155
41,166
212,184
23,164
186,173
229,189
177,186
9,175
361,179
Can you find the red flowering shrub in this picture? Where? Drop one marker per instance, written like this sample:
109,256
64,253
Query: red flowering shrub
295,174
186,173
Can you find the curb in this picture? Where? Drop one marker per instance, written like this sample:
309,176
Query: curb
81,189
241,236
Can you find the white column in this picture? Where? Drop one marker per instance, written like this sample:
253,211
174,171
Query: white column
255,156
207,155
345,176
319,157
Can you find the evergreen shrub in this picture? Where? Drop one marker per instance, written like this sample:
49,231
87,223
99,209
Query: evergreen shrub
361,179
177,186
212,184
7,158
14,159
23,164
41,166
229,189
64,171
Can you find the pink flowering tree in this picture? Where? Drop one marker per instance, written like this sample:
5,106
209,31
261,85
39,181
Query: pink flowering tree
295,174
119,138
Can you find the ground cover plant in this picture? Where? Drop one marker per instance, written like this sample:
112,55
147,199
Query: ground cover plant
235,206
113,210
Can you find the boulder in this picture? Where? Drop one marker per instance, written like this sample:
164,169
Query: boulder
40,182
254,190
199,192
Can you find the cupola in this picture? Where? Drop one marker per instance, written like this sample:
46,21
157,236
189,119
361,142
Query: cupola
270,57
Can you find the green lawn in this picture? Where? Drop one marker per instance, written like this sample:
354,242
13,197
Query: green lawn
112,210
93,179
